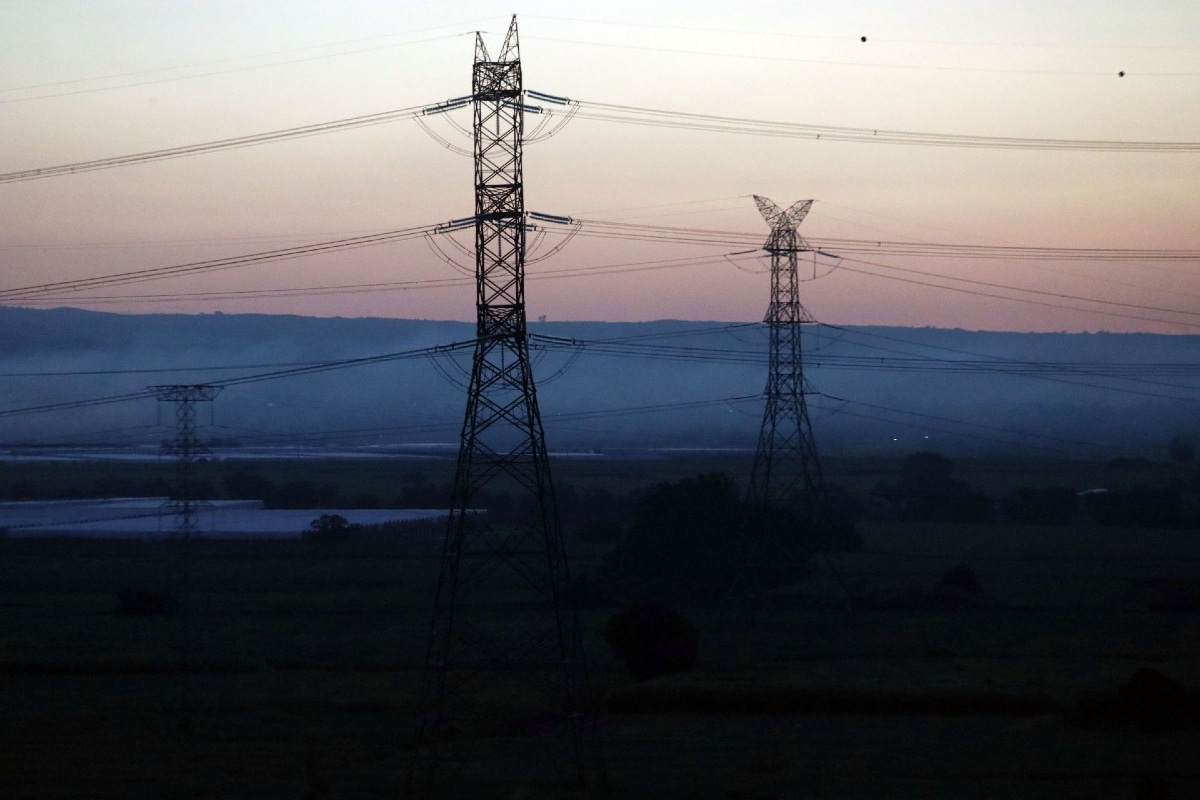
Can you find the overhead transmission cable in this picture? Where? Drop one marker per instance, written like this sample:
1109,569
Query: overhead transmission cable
867,64
634,115
210,265
717,123
1030,301
692,235
317,129
1138,372
640,232
290,372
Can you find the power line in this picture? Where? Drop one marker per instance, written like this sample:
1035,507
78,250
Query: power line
209,74
1062,372
252,140
651,233
634,115
268,54
708,236
211,265
1042,292
291,372
980,425
866,64
1021,367
981,293
80,373
609,112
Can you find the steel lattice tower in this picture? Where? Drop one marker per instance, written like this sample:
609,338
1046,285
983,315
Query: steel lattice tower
186,448
501,622
787,471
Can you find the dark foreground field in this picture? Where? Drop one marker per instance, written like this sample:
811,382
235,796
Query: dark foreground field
302,674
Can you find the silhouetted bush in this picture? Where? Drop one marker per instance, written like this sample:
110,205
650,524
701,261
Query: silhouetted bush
696,540
687,540
329,528
652,640
926,492
407,530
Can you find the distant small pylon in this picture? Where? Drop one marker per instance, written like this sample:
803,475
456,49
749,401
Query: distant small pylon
186,448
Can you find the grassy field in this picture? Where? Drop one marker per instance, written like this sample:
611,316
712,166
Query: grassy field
294,669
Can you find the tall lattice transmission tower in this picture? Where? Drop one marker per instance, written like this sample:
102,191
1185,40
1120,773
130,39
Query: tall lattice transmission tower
186,449
503,634
787,471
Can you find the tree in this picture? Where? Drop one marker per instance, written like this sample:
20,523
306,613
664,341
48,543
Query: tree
330,528
687,540
927,492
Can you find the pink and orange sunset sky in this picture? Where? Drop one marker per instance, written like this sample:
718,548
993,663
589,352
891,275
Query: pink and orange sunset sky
87,80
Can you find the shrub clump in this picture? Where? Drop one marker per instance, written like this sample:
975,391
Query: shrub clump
698,541
330,528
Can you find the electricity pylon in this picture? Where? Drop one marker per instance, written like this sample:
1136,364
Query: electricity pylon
186,449
505,655
787,472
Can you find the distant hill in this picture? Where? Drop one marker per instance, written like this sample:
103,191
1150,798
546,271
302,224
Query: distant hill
605,385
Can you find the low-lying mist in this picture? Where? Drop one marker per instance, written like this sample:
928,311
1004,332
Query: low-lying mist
601,386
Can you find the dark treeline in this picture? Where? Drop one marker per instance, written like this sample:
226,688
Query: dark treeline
926,490
926,487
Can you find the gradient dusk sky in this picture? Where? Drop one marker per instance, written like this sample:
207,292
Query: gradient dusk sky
87,80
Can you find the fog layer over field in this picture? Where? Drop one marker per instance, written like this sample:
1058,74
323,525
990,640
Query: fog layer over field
601,386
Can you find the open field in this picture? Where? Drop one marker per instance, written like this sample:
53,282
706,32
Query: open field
293,672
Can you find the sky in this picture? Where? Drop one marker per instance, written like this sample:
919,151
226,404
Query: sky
88,80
